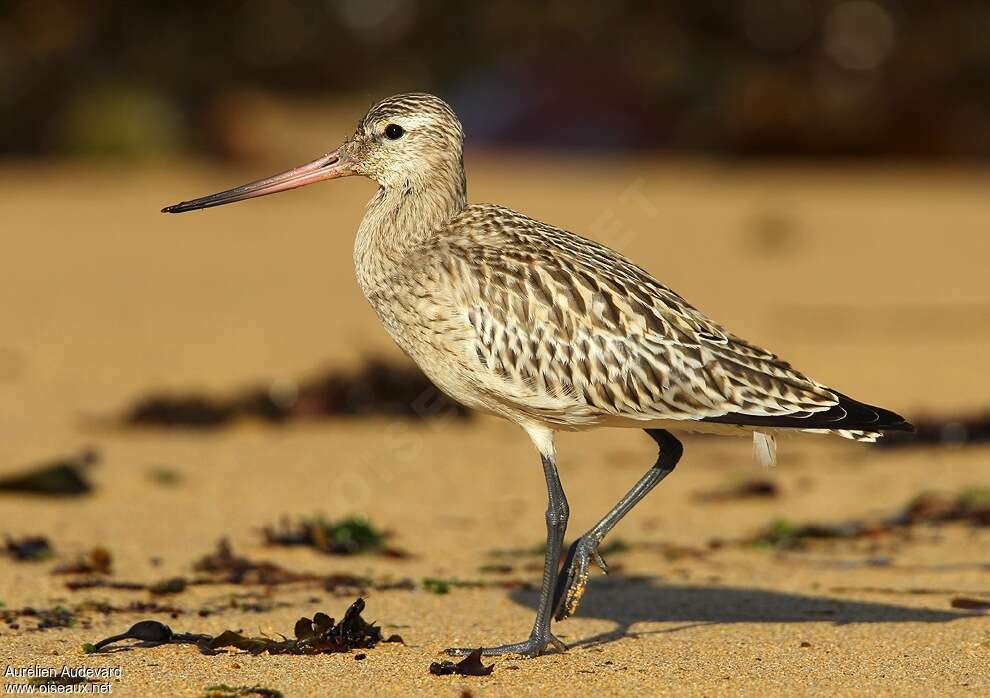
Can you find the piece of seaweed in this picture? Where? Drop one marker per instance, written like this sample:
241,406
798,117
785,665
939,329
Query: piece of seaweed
379,387
471,665
65,477
350,535
317,635
29,548
970,506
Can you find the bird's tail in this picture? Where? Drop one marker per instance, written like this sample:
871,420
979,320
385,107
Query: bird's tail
877,420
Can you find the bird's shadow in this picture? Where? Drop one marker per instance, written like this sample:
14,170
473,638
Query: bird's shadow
631,600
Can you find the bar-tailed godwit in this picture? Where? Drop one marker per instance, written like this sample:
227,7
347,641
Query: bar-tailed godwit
547,329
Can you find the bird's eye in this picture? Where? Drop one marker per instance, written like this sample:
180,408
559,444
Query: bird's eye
393,132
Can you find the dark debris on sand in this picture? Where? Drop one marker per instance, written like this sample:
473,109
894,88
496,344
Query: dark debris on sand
103,583
77,615
221,566
378,388
43,618
970,506
65,477
753,488
29,548
347,536
317,635
96,561
224,566
471,665
224,691
441,586
970,603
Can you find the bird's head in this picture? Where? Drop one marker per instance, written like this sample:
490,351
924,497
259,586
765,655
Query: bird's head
406,142
406,139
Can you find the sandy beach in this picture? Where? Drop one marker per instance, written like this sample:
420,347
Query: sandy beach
869,279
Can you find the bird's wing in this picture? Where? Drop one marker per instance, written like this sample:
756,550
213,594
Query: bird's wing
566,322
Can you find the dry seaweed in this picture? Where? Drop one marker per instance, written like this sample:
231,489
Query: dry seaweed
970,603
146,631
52,682
65,617
251,602
344,584
172,585
785,534
347,536
65,477
378,388
100,583
971,506
219,567
910,591
224,691
164,475
29,548
225,567
436,585
443,586
107,609
754,488
96,561
45,618
317,635
471,665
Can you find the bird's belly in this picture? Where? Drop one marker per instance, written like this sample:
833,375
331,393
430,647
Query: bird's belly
432,337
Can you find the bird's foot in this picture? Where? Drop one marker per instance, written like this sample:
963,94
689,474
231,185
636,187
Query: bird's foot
532,647
573,576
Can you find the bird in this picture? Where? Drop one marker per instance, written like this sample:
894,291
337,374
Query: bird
547,329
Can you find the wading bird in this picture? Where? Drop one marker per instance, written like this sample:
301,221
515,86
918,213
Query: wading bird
547,329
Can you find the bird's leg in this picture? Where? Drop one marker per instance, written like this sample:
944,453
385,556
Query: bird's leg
574,575
541,638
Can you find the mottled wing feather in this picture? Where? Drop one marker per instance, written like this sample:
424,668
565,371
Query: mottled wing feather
570,327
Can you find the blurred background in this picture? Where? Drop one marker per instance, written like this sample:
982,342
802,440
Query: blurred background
750,78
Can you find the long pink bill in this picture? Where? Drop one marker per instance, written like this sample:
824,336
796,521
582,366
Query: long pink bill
329,166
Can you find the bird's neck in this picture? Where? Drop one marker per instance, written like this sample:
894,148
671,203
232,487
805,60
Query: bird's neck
399,221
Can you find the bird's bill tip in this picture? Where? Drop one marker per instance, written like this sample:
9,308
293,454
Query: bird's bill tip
329,166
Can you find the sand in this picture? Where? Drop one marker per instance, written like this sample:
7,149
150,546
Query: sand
872,280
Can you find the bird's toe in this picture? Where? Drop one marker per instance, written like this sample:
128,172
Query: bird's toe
533,646
573,577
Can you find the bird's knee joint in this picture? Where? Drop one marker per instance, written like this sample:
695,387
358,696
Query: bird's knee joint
668,458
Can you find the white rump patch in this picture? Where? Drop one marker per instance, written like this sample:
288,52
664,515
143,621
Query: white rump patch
765,448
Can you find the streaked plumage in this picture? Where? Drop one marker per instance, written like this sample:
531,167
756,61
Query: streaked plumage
557,329
545,328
